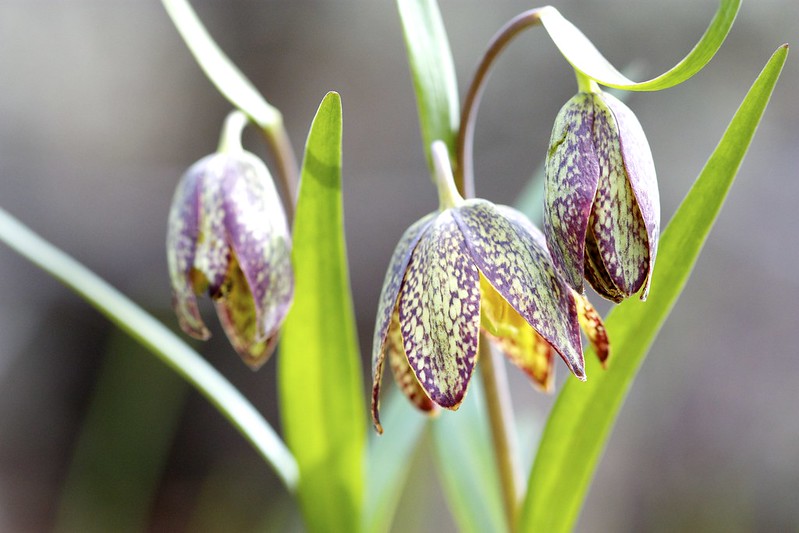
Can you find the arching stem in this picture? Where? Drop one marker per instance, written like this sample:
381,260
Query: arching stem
464,176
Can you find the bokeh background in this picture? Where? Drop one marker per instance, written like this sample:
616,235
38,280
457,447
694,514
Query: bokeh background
101,110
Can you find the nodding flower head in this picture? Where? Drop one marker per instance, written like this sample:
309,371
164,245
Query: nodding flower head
228,237
602,207
474,267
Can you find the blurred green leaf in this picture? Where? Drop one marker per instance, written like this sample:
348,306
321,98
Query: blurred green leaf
433,72
123,444
467,465
321,395
227,78
584,56
584,413
389,459
157,339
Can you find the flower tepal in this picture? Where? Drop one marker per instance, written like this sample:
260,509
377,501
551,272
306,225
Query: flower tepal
228,237
474,267
602,207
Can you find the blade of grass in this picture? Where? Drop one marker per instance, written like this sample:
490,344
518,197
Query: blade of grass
157,339
123,443
584,56
466,465
584,413
433,72
389,460
321,390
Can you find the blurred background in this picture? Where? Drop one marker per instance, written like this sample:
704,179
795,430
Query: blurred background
102,108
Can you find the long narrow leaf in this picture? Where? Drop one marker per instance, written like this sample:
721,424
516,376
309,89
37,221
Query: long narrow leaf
583,56
321,396
468,469
584,413
433,72
219,68
389,460
157,339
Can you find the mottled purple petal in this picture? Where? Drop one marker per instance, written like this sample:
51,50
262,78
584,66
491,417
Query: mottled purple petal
572,174
439,312
616,221
641,173
236,310
258,234
388,302
519,269
181,239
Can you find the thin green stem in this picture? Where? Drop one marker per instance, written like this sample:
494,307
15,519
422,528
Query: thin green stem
464,169
500,416
585,84
230,139
287,169
156,338
239,91
448,195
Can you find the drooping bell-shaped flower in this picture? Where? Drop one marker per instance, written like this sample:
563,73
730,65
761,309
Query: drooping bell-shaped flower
474,267
602,208
228,237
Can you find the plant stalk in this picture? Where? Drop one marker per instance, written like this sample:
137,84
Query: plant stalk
500,416
464,169
288,173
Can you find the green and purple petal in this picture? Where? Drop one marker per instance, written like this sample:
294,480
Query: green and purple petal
519,268
439,312
641,174
572,174
258,235
616,221
237,314
388,302
183,230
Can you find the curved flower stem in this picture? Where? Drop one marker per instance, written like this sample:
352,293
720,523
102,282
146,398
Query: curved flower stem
156,338
278,140
239,91
464,169
500,416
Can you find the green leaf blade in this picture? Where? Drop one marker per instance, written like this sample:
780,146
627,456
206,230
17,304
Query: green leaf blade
584,413
584,56
467,465
433,72
321,391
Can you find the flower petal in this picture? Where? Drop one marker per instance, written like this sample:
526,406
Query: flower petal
258,233
439,312
572,174
212,254
519,268
616,221
236,309
641,173
517,339
403,373
181,239
388,302
593,327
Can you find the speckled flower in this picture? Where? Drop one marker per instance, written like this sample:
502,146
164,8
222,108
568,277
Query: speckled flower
602,209
228,237
474,266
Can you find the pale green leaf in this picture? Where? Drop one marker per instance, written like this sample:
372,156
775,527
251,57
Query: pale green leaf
433,72
467,464
321,397
157,339
584,56
227,78
584,413
389,459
